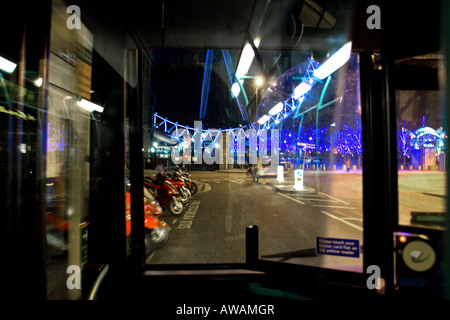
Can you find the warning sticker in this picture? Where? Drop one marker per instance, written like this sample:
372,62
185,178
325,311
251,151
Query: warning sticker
338,247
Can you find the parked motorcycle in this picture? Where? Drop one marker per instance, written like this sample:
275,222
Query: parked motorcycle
156,230
165,193
188,180
179,182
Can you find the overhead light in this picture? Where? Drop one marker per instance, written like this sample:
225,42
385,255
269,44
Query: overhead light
38,82
302,89
7,65
263,119
336,61
245,60
235,89
89,106
276,109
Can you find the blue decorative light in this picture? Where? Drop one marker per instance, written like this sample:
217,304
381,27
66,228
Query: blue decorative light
56,138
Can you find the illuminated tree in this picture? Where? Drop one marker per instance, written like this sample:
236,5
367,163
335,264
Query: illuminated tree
404,142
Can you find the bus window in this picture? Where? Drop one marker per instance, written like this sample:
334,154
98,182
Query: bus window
421,141
306,196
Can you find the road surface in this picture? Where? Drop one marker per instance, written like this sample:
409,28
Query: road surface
212,227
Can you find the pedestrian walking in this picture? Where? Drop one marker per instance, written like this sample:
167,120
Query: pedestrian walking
348,163
259,169
254,172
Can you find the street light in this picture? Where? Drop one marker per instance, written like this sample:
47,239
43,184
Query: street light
259,81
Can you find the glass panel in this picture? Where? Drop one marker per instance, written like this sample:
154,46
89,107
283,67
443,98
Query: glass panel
306,196
67,157
421,141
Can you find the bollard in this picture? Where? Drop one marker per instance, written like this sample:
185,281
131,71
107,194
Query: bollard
280,173
298,179
251,244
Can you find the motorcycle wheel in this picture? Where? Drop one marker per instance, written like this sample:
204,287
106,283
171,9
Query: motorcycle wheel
194,187
155,239
189,193
175,207
184,196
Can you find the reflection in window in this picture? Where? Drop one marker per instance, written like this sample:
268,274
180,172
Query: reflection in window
68,142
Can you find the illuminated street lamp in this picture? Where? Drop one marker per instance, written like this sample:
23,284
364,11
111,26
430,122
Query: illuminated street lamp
259,81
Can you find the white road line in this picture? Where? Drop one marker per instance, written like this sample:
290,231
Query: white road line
290,198
342,220
338,200
339,207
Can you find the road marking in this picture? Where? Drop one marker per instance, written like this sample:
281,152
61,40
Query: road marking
342,220
206,187
189,216
338,200
238,181
290,198
339,207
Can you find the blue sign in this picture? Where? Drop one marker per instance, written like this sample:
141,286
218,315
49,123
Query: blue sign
338,247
